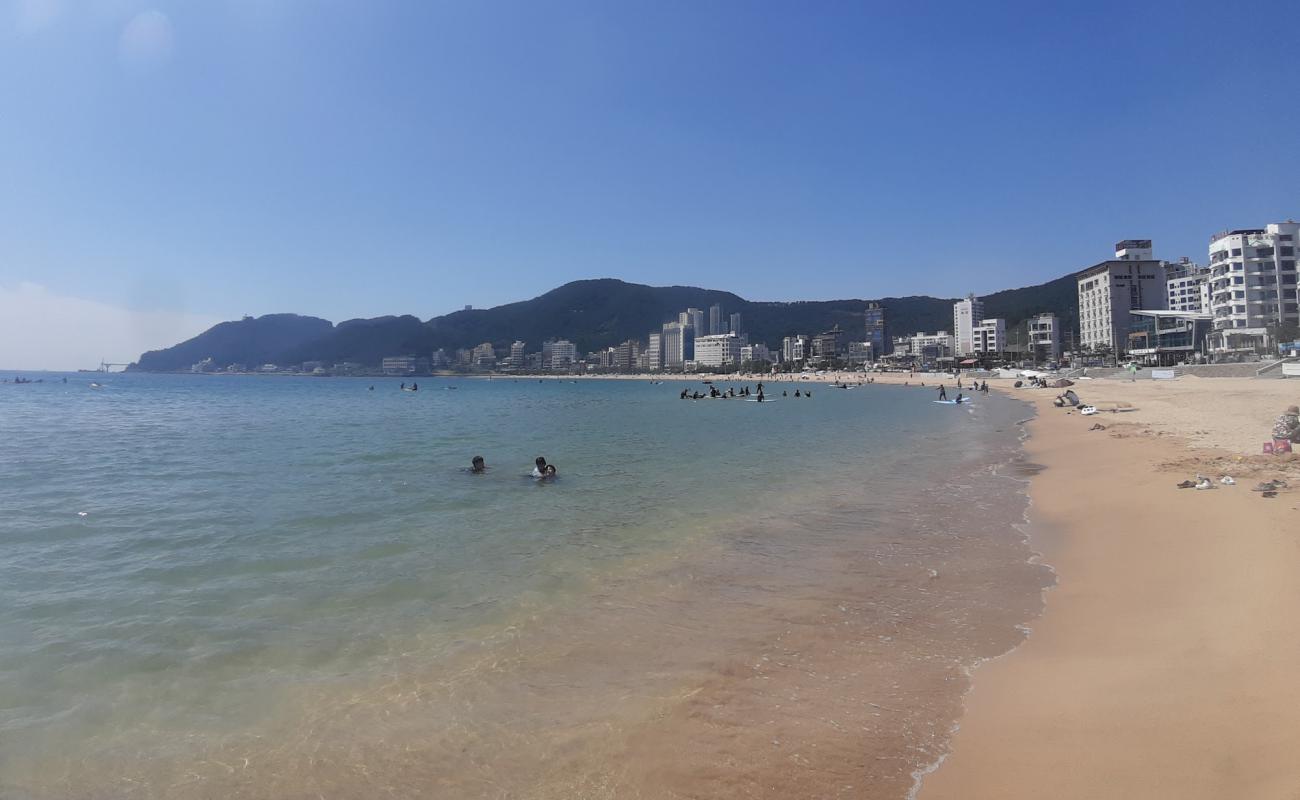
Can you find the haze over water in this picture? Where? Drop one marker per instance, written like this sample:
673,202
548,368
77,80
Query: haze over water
288,587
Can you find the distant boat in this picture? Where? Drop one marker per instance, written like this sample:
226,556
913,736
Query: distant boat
96,386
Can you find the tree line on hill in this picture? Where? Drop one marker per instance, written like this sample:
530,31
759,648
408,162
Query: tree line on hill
593,314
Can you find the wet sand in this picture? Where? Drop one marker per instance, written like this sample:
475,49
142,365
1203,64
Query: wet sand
1165,663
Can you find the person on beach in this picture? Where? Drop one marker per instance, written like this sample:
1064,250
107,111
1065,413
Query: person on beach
1287,426
539,467
477,464
943,393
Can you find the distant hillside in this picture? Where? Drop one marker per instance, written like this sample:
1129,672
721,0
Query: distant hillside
591,313
249,341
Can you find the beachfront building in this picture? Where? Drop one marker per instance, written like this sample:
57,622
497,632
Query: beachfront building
939,343
1111,290
1045,337
755,352
966,314
678,342
860,353
654,352
484,357
1252,285
404,365
1167,338
878,330
988,338
717,351
1188,286
794,348
627,356
716,322
559,354
828,345
517,354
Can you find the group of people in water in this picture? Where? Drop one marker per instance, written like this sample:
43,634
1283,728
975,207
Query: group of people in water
961,398
542,471
744,394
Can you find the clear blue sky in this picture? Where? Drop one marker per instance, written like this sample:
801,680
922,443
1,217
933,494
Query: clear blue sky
359,158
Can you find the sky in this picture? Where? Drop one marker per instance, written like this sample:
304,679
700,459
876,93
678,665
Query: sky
164,165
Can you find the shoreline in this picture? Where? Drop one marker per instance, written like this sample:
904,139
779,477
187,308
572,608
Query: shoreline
1160,665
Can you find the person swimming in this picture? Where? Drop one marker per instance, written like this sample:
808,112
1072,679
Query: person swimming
797,394
539,467
477,464
550,471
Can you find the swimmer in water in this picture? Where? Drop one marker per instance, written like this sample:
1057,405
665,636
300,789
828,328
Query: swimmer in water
550,471
477,464
539,467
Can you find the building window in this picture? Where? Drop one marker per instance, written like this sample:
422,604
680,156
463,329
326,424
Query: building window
1236,251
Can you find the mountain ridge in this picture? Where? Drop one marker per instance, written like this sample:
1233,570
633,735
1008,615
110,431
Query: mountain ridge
592,313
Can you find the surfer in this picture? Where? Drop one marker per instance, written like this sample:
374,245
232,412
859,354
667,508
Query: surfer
943,393
959,398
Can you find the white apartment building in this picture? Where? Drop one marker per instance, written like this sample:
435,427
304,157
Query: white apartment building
517,353
966,314
989,337
717,351
1188,286
694,318
1253,282
1110,290
654,354
564,354
1045,337
794,348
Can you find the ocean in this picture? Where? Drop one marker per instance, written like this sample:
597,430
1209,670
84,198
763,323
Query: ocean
244,586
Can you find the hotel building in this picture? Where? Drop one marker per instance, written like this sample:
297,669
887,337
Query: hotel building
1110,290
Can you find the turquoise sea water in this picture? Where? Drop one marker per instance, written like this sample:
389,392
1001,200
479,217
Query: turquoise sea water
193,568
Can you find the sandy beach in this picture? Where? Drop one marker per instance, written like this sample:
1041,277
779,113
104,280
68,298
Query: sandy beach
1164,663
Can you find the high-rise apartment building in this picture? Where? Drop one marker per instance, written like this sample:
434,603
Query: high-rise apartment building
878,330
654,352
693,318
715,319
517,354
736,326
678,344
966,314
1108,291
1253,283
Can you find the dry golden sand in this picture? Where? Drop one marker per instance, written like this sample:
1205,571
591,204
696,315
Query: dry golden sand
1167,661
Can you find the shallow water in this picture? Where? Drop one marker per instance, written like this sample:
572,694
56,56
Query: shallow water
289,587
